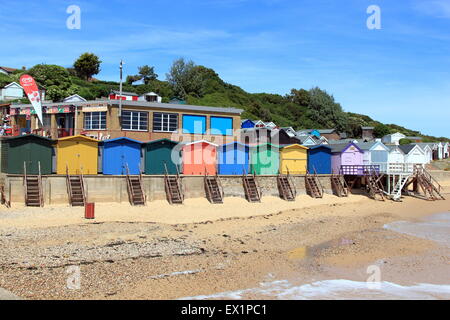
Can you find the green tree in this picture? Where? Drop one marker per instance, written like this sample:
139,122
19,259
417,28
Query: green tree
300,97
131,79
185,79
380,130
405,141
87,65
51,75
55,93
325,111
147,73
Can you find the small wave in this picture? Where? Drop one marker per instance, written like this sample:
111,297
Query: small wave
334,289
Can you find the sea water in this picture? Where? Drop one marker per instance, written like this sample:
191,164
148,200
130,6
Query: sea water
435,228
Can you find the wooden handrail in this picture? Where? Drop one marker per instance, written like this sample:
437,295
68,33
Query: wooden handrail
41,198
317,179
25,181
291,182
129,189
141,182
82,185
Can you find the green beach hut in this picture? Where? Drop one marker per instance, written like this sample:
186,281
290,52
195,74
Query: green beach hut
29,149
159,152
265,159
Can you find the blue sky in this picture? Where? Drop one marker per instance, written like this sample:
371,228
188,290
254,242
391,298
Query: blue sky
399,74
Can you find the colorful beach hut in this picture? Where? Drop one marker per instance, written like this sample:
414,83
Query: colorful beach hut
120,154
294,159
199,157
319,159
32,150
346,155
265,159
233,159
78,153
160,152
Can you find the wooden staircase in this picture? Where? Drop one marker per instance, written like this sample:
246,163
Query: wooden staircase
339,185
430,187
396,193
286,187
313,186
33,188
135,189
213,188
251,188
173,186
374,185
75,189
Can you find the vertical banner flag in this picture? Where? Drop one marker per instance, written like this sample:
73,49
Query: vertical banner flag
31,89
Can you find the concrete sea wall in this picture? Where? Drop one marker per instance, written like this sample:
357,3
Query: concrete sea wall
102,188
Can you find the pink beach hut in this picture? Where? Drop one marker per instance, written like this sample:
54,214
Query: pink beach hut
347,155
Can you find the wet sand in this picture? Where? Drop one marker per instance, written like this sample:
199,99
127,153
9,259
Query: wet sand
137,253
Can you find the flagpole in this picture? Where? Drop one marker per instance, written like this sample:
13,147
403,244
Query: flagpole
120,90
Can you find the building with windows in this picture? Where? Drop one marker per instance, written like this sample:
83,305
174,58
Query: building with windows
140,120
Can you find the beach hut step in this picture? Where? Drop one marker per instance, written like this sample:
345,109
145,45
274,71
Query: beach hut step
430,187
135,190
252,193
339,185
173,189
213,189
313,186
75,190
286,188
33,191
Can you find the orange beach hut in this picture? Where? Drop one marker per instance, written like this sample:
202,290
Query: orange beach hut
199,157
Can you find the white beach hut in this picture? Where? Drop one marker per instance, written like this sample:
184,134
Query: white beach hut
396,155
414,154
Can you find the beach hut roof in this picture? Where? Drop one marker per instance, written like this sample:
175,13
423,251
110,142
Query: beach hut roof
122,138
407,148
199,141
393,147
366,146
342,147
78,137
320,146
295,145
161,140
27,136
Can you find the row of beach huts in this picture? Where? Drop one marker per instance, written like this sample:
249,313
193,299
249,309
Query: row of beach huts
32,154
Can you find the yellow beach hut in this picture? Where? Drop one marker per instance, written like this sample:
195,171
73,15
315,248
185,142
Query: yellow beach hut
78,153
294,159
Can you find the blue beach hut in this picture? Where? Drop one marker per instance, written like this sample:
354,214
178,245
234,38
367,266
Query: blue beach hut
233,159
246,124
119,153
319,158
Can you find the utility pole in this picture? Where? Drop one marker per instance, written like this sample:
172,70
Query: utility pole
120,90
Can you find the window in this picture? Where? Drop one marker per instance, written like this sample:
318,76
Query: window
134,120
165,122
221,125
194,124
95,120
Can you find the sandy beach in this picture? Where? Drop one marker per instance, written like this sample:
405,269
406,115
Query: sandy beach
201,250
